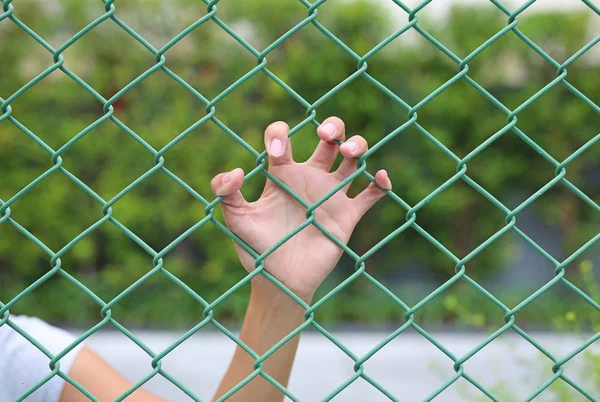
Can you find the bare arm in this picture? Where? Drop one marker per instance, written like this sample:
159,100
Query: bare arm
269,318
302,262
101,380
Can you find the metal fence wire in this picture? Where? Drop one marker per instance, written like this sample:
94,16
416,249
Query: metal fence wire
8,15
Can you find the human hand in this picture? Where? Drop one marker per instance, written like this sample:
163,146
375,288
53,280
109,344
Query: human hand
306,259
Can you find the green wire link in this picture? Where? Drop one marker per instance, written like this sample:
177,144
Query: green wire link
160,160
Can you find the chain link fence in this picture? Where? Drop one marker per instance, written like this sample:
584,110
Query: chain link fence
9,14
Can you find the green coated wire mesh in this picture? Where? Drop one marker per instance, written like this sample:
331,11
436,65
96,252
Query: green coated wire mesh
8,15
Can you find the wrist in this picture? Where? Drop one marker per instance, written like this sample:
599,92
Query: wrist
267,292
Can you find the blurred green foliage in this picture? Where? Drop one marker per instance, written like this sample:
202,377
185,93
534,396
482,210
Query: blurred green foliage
585,366
158,109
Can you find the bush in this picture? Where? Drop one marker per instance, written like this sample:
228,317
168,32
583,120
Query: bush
107,159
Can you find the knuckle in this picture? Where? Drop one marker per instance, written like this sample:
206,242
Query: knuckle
375,190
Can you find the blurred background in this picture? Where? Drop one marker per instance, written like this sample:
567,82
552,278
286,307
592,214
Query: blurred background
210,60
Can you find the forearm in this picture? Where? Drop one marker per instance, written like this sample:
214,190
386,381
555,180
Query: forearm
101,380
271,316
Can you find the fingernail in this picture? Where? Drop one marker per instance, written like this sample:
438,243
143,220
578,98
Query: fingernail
276,148
351,145
330,129
386,178
227,178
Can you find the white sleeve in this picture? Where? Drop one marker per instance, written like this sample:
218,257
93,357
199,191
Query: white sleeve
22,365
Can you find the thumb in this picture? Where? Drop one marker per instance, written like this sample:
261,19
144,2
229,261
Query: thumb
228,184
